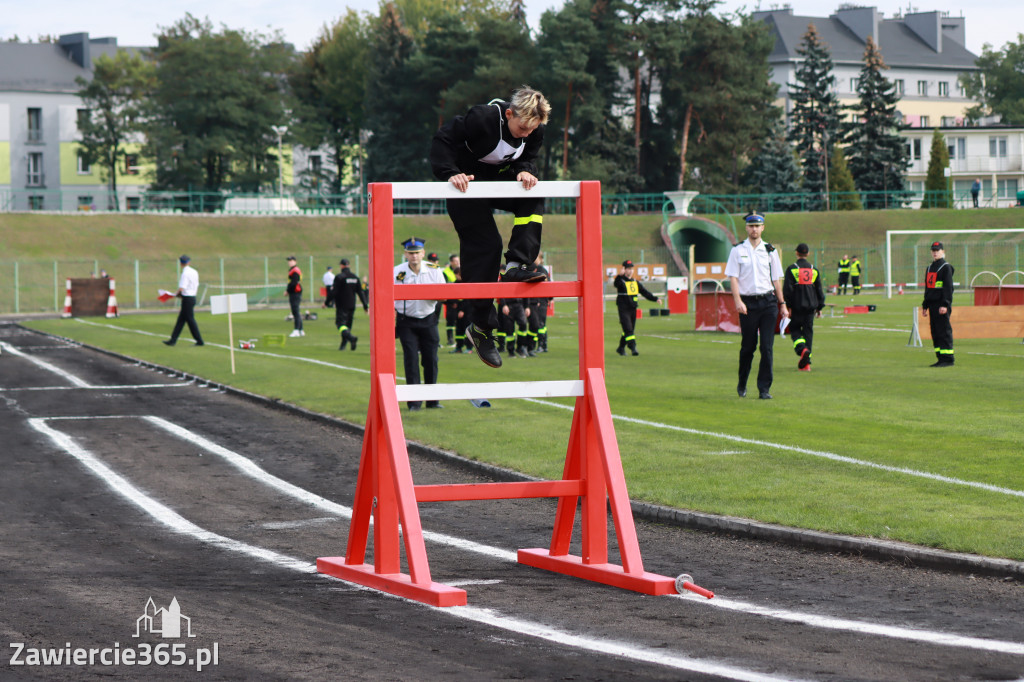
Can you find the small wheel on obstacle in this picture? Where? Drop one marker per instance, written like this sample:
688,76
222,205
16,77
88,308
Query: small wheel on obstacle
680,580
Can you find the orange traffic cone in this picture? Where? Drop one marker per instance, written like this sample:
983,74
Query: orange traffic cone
112,302
67,300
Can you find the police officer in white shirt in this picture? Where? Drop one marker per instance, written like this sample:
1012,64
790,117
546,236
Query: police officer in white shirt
188,287
416,321
755,278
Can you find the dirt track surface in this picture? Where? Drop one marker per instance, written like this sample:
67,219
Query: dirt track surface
119,485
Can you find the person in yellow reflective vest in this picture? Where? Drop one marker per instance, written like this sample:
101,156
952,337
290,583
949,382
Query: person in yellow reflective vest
844,274
855,272
629,290
805,297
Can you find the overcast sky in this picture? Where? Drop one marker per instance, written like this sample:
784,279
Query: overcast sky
136,23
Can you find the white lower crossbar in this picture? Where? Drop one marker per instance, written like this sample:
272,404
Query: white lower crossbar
491,391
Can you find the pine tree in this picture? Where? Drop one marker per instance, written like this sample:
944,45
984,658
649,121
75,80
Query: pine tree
840,183
815,116
774,171
878,155
936,189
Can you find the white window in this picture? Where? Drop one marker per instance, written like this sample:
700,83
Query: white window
943,89
131,164
914,146
957,148
948,121
35,202
83,117
35,125
922,88
85,202
997,147
315,164
1007,189
960,90
854,83
925,121
35,169
84,167
900,86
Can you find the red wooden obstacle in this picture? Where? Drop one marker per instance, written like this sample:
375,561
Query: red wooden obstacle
593,469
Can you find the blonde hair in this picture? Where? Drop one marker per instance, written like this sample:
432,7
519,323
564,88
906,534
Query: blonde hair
530,105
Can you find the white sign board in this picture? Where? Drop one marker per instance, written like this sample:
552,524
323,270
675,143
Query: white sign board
228,303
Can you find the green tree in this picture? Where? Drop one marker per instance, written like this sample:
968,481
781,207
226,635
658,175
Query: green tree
936,185
878,155
719,97
399,123
774,171
215,99
329,84
840,183
999,82
815,117
115,98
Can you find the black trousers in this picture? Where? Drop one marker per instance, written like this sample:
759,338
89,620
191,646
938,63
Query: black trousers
419,340
480,243
844,279
801,329
343,320
295,300
627,320
759,321
187,315
942,333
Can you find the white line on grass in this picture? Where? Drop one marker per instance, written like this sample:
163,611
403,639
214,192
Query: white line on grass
248,352
486,616
806,451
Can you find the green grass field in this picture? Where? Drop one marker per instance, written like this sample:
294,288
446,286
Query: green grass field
872,442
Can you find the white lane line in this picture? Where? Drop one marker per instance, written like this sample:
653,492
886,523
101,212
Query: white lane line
299,358
249,468
302,523
95,388
487,617
805,451
830,623
43,364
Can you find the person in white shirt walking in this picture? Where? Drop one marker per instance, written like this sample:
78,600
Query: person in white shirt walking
416,321
755,275
188,287
328,281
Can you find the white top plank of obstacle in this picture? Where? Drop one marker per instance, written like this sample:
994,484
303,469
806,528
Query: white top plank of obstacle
484,190
491,391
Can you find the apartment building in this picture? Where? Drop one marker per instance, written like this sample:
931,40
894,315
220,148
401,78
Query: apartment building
40,164
924,51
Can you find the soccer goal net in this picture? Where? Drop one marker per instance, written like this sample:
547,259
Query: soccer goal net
971,252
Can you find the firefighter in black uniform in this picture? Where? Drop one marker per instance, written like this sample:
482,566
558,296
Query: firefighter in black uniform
628,291
517,329
496,141
844,274
347,288
294,290
805,298
539,314
938,305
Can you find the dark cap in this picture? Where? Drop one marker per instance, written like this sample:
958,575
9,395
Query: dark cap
627,263
183,258
413,244
291,258
802,248
343,261
432,256
754,219
937,246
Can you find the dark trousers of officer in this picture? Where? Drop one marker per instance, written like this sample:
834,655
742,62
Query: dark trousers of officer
518,327
762,313
539,323
942,333
295,300
801,329
420,340
627,320
343,320
187,315
451,318
844,278
480,244
856,284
